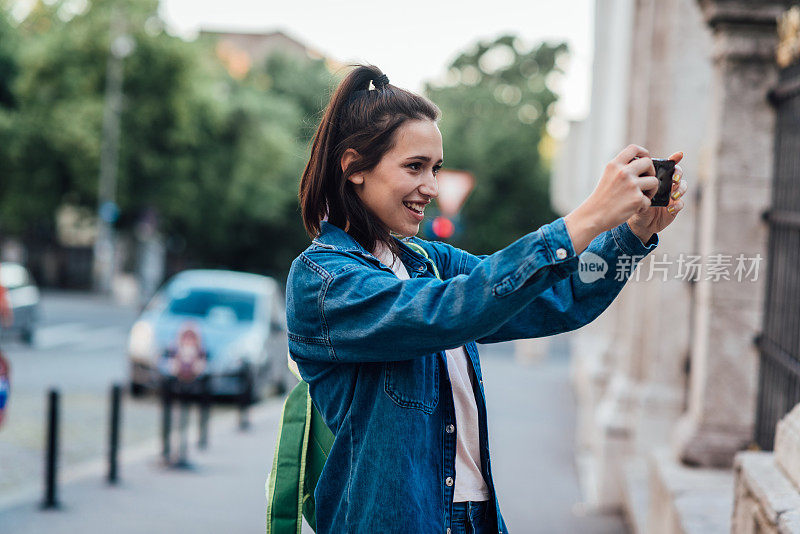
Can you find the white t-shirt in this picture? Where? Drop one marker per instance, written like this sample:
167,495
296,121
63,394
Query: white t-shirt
470,485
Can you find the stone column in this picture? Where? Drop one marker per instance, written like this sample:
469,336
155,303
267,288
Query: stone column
727,314
638,307
644,393
677,115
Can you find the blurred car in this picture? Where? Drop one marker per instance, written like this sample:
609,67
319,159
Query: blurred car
236,321
23,297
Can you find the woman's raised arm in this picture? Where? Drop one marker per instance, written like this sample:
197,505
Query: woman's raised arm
340,309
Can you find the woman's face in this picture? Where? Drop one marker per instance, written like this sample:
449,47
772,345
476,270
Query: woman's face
399,188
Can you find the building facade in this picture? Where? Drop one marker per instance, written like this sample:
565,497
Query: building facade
667,377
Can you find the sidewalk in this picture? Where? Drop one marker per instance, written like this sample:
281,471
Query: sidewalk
531,420
224,493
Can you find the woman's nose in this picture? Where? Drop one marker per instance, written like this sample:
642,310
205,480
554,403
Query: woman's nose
430,186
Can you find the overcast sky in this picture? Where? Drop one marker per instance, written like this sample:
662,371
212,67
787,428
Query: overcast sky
411,40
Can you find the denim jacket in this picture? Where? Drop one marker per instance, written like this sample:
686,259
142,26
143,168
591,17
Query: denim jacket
371,347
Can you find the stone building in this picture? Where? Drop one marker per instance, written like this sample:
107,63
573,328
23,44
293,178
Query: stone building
667,377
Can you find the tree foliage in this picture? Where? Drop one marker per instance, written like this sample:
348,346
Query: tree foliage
217,158
495,109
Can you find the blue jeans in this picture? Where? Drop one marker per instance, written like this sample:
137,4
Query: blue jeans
471,518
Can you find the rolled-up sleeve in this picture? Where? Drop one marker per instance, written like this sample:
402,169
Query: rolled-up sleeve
348,311
604,268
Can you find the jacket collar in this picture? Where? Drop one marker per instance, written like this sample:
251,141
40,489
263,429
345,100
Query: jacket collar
334,238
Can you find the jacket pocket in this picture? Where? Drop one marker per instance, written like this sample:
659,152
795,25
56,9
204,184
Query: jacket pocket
413,383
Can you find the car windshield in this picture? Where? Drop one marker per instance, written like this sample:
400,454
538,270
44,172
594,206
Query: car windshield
202,302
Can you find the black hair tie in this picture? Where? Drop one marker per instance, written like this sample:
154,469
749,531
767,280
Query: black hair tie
381,81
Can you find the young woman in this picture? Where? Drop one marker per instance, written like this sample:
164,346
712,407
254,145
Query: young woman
383,325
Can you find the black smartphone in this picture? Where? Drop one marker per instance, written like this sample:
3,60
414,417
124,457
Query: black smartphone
665,168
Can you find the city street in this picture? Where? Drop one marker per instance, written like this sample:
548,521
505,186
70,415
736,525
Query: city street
80,349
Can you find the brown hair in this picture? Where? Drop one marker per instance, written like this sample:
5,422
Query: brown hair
365,120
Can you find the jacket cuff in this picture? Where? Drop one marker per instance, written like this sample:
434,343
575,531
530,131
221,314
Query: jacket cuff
553,248
630,243
560,249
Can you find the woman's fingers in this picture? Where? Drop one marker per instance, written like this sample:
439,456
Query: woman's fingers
676,176
676,157
630,152
644,204
648,184
678,189
675,206
641,166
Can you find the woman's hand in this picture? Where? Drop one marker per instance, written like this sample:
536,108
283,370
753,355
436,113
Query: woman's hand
617,197
653,219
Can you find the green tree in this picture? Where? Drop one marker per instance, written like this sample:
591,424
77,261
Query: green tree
9,40
219,159
60,91
495,108
270,118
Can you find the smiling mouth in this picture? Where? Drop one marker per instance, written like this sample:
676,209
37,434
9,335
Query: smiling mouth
416,207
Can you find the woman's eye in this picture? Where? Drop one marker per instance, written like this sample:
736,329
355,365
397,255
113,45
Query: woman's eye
415,166
436,170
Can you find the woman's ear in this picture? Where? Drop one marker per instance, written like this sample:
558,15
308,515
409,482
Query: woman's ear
349,156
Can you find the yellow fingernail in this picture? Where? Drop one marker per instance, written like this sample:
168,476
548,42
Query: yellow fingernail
676,194
671,209
676,177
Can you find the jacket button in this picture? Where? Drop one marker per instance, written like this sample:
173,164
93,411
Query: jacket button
450,428
561,254
448,481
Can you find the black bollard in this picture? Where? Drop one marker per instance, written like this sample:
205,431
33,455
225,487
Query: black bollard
51,461
244,398
205,411
166,417
113,445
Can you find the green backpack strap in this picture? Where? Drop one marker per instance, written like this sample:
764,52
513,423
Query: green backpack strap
303,444
418,248
318,447
284,487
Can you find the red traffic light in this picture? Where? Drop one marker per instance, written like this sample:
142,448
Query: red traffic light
443,227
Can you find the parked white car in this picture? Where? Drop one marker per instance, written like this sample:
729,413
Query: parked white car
235,321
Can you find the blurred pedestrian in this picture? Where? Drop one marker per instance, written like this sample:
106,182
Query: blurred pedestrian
6,311
383,325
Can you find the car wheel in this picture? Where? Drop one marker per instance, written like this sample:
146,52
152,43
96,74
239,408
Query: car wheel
27,336
278,377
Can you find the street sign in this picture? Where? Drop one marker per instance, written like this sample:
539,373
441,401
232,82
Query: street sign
454,188
443,227
5,386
